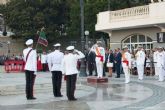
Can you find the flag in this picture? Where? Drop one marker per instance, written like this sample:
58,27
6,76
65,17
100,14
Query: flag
42,39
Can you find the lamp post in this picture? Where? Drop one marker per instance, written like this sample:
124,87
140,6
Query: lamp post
82,23
109,8
8,46
86,38
83,65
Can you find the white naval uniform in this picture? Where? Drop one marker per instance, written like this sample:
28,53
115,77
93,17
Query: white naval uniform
43,58
126,68
155,62
69,68
30,71
164,62
161,65
69,63
140,60
99,63
54,60
31,63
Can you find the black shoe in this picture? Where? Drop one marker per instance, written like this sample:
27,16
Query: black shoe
59,96
31,98
73,99
117,77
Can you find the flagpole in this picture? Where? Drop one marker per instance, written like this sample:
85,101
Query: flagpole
41,34
36,45
37,40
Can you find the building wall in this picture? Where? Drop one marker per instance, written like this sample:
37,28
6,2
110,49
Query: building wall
117,36
3,1
16,46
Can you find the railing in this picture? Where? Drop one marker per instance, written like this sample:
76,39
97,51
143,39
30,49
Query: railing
136,12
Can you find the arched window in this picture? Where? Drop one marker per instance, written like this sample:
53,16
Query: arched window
134,40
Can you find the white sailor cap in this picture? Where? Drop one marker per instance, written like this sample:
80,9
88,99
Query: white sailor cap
57,45
29,42
125,47
70,48
160,47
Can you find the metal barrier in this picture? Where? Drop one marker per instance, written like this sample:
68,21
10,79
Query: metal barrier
14,66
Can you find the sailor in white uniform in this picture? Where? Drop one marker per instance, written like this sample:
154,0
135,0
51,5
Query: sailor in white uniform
161,64
140,60
155,61
44,61
69,68
100,59
30,58
54,62
126,64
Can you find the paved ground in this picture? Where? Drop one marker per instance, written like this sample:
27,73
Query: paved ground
115,95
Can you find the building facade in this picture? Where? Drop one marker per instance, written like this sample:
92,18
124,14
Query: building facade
3,1
8,46
142,25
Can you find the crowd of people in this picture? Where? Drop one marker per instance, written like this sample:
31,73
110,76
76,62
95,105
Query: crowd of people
98,61
113,61
13,57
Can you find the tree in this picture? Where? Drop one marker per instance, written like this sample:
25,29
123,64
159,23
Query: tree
26,17
92,8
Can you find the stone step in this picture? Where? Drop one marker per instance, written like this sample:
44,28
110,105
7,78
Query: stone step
20,89
38,88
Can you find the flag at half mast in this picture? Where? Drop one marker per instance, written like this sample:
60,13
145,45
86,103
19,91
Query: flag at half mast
42,39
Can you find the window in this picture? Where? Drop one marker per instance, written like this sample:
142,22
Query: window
134,40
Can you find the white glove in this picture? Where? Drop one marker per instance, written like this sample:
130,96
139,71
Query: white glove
76,50
35,73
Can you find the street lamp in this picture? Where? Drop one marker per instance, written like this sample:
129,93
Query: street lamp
8,46
86,34
83,65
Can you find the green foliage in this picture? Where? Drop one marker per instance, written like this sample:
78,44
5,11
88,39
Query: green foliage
26,17
91,9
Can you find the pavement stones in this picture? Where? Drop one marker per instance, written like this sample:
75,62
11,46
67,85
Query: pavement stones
138,95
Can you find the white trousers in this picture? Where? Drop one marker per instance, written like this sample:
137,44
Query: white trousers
156,70
127,74
161,73
140,69
99,66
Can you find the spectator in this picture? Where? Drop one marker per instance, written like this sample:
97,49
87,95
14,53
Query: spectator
110,62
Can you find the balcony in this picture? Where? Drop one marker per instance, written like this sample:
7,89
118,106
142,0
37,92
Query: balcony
136,17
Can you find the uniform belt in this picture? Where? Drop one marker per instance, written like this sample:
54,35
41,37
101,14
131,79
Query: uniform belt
101,57
125,61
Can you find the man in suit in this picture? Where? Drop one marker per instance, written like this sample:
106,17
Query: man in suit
30,58
91,61
117,61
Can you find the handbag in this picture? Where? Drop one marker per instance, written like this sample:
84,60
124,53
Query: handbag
109,64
